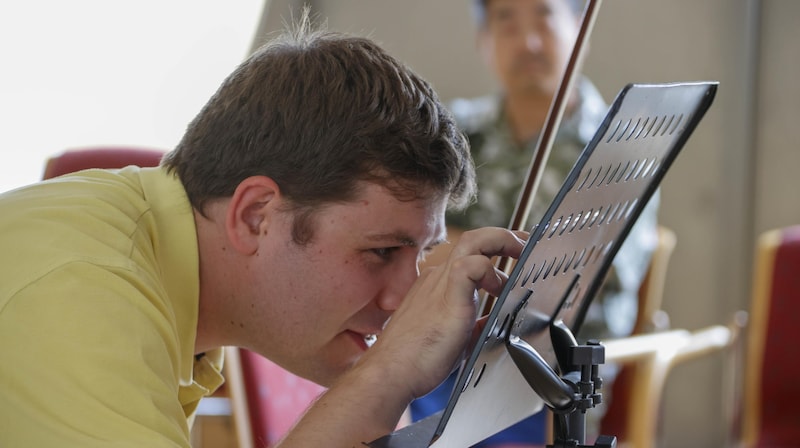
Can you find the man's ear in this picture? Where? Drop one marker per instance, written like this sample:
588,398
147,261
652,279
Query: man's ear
249,213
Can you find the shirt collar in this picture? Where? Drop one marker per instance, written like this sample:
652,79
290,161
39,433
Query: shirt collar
175,247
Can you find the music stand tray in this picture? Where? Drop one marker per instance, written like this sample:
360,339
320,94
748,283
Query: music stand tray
565,260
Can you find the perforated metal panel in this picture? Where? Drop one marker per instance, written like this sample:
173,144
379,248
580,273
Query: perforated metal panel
566,258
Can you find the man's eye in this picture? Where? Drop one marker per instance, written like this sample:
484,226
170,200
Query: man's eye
504,23
544,11
384,252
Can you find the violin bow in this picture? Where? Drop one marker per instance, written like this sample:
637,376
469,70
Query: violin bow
547,136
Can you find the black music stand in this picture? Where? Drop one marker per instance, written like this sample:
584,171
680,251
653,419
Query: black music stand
561,268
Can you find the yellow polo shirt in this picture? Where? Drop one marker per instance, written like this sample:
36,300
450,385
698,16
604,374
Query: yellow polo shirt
98,312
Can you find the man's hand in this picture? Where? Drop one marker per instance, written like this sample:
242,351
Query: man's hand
433,325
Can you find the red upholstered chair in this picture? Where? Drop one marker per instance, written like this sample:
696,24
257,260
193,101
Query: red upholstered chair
648,356
266,399
100,157
771,408
766,412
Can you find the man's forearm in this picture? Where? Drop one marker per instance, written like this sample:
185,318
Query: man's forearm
365,404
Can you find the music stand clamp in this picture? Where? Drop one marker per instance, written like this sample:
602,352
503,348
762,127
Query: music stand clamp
571,395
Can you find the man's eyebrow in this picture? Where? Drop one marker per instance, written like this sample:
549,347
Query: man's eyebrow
438,241
401,239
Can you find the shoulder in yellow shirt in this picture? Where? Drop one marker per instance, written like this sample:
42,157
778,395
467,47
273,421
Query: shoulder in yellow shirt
98,312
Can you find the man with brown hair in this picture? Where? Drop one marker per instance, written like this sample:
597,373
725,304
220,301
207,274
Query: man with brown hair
290,220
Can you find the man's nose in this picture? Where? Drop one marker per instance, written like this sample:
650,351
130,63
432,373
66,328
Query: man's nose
397,285
533,40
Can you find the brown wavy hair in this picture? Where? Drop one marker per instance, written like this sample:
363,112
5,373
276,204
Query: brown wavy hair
318,112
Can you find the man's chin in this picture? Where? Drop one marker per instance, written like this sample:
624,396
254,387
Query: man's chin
536,87
334,369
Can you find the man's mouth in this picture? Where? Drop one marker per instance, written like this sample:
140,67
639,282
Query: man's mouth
365,340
